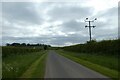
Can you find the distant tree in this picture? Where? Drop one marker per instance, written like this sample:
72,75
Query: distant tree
28,44
40,45
8,44
15,44
37,44
45,47
23,44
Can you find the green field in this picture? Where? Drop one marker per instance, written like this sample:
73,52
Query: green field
15,65
107,65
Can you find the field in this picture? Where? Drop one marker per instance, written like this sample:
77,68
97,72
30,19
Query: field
17,61
12,50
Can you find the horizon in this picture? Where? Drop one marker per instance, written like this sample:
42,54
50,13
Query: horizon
58,46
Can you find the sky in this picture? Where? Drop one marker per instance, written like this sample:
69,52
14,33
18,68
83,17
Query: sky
57,23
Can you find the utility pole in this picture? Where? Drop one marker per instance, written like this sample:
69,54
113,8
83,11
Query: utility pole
89,26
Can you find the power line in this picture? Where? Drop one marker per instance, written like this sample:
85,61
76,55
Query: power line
89,26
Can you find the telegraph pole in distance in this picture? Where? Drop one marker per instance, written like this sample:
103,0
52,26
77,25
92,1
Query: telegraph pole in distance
89,26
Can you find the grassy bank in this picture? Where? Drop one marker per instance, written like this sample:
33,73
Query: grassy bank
104,47
40,68
15,64
98,63
37,69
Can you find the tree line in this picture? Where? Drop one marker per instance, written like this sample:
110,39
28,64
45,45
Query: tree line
24,44
44,46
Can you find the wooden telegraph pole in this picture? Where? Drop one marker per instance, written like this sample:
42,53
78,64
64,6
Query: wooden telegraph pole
89,26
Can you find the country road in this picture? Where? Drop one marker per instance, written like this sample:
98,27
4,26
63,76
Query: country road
58,66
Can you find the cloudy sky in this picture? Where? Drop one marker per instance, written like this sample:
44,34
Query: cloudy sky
58,23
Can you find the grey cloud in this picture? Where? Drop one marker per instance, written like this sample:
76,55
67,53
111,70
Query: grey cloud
20,11
60,41
110,12
119,20
67,12
108,29
8,39
111,15
72,26
15,12
63,41
13,30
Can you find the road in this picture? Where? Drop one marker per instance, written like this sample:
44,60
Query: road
58,66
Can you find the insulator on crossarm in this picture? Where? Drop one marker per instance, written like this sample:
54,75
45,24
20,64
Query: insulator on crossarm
85,26
94,26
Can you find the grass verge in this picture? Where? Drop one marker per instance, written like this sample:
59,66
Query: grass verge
37,69
101,69
40,69
14,66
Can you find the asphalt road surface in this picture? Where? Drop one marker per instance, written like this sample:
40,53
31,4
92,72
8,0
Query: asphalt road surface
58,66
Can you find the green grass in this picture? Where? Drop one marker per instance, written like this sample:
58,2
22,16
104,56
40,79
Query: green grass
104,47
40,69
11,50
14,66
37,69
95,62
0,67
104,60
0,62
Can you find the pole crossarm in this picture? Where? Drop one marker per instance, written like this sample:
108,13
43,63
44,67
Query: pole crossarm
90,21
90,26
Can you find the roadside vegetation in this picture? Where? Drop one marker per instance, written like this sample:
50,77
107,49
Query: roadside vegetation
16,61
105,47
99,56
37,68
13,51
90,62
